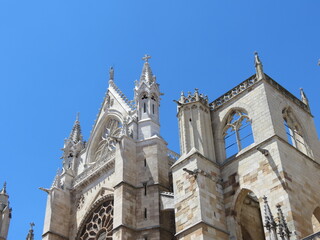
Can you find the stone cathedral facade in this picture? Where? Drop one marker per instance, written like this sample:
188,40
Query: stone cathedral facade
249,168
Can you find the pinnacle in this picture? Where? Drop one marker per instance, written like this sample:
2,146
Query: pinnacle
4,189
146,74
75,134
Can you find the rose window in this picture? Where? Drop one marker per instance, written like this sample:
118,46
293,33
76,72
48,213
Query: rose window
99,223
109,138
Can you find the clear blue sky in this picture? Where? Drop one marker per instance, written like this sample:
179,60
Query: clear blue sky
55,55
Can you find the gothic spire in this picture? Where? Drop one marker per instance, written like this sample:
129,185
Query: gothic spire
284,231
304,98
75,134
270,224
4,189
30,235
258,66
146,74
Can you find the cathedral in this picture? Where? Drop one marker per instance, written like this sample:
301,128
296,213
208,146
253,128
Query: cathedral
248,168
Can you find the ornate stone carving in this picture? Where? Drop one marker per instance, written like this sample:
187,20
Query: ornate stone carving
80,202
99,223
110,136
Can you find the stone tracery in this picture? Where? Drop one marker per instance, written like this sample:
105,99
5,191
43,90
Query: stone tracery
99,223
111,134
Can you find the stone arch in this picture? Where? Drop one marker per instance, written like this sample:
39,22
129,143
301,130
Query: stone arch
295,131
247,213
315,220
98,221
236,131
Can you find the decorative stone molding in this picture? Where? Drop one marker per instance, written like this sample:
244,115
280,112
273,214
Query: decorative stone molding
232,93
95,170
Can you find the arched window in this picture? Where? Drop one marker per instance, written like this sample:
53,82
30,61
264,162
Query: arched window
294,132
107,144
316,220
144,107
248,216
237,132
99,223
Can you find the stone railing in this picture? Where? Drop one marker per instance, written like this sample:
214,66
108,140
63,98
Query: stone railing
248,83
234,92
315,236
123,96
94,169
173,155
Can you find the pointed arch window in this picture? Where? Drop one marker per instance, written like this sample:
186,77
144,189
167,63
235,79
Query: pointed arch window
110,134
294,131
237,132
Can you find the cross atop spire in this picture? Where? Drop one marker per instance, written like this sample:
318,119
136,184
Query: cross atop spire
146,58
32,225
146,74
30,235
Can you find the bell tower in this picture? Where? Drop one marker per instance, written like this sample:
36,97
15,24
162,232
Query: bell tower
147,98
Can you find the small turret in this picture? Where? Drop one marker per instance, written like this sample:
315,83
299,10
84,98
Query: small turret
30,235
258,66
147,98
5,212
195,124
72,146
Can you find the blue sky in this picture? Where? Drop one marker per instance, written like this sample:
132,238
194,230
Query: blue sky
55,55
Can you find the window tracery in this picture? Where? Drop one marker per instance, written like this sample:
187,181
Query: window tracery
107,144
294,132
99,223
237,132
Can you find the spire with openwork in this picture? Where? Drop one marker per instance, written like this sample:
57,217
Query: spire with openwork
75,134
270,224
284,231
146,75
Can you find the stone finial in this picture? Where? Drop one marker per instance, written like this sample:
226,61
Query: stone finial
283,229
111,74
270,224
304,98
4,189
195,97
30,235
258,66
